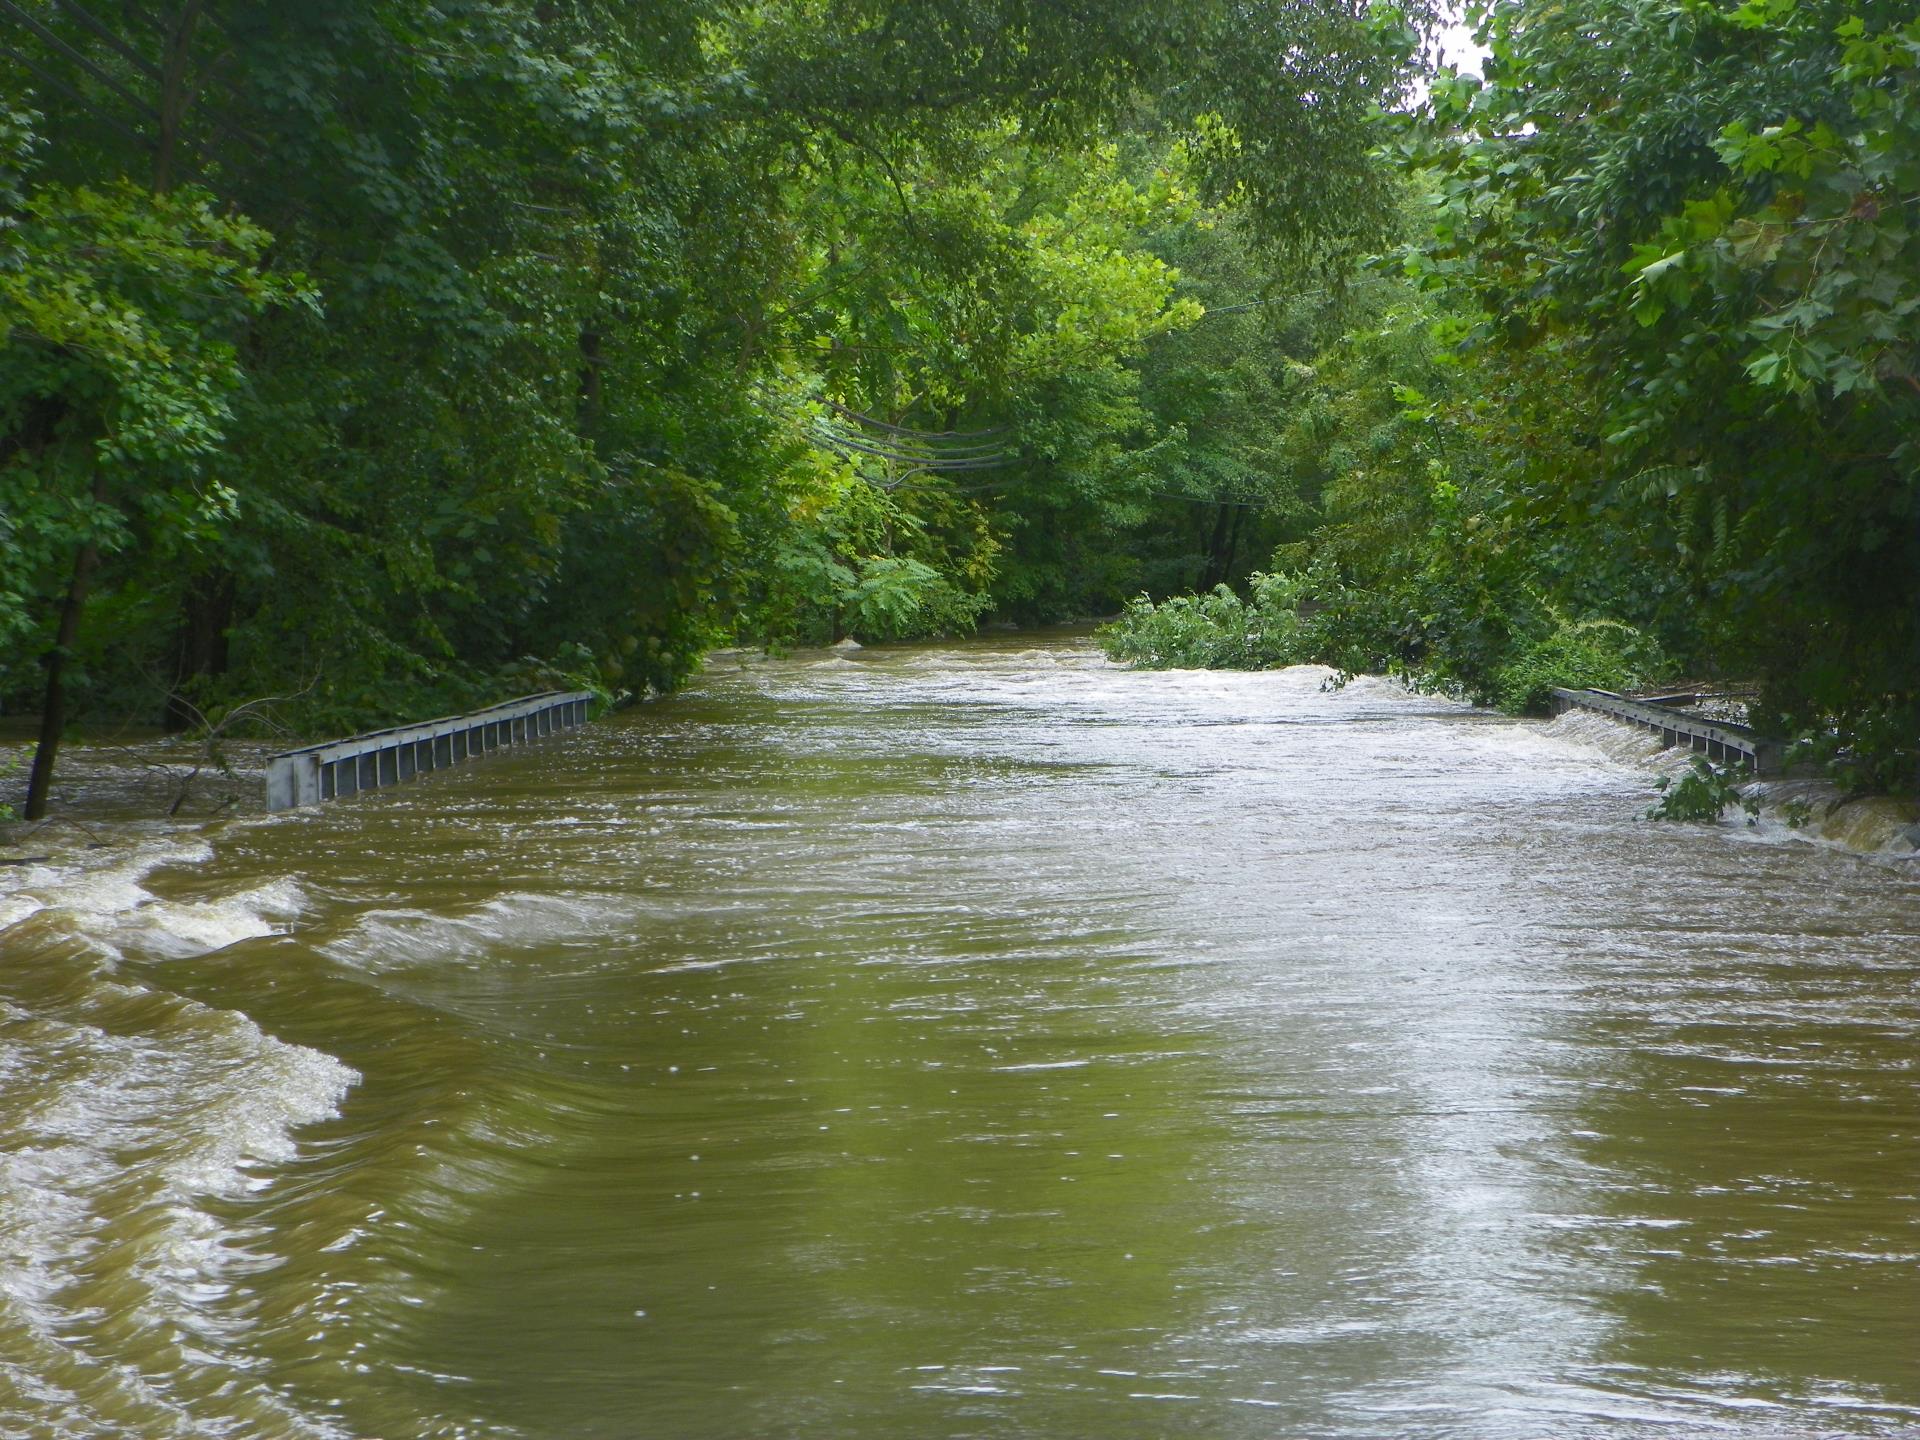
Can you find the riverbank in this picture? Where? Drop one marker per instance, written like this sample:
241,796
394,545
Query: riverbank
1791,807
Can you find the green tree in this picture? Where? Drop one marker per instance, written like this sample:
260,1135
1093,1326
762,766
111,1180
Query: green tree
1708,213
593,278
120,311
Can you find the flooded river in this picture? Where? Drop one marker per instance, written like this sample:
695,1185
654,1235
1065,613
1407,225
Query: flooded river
969,1041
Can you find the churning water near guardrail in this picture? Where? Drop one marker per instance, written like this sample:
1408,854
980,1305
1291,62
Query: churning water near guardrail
980,1041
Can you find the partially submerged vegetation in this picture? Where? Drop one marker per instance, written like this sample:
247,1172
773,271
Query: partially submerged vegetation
1704,792
1318,619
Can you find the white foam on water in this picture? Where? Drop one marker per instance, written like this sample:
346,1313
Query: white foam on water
15,908
1592,731
124,1109
380,940
1792,811
113,1274
101,895
176,929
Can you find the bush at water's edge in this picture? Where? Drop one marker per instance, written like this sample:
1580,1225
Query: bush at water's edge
1312,618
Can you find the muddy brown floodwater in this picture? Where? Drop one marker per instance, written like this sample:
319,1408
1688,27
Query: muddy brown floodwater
967,1041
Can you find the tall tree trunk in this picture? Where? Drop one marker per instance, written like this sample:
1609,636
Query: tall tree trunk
1215,569
200,644
1233,541
592,368
53,710
176,95
201,648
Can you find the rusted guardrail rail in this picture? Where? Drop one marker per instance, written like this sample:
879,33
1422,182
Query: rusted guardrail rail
1716,739
379,758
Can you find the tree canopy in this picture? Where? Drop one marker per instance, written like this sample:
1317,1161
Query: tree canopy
1636,395
414,350
404,355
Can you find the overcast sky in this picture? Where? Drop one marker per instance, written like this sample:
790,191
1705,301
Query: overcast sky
1457,47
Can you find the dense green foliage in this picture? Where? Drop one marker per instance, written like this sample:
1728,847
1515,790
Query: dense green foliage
396,354
1640,394
1416,556
1716,241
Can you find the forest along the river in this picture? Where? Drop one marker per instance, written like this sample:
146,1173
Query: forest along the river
967,1040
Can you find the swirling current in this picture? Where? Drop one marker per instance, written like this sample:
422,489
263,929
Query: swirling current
975,1040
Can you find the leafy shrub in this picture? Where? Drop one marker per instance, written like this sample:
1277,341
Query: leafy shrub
1702,794
1876,754
574,667
894,598
1599,654
1214,631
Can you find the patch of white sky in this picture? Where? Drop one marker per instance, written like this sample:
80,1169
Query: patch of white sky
1453,44
1457,48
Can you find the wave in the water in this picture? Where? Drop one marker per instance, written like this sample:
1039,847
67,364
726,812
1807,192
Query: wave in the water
387,939
101,896
1797,809
130,1116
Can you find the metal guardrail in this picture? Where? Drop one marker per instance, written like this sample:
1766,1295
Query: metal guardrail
1716,739
380,758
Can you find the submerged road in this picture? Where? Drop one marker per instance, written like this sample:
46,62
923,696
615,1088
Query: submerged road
967,1041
